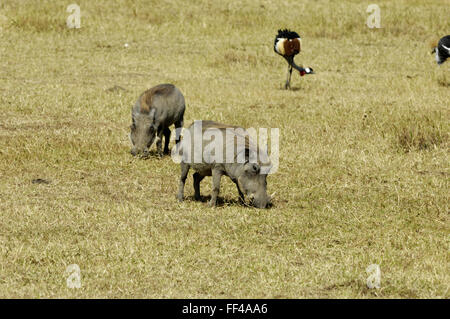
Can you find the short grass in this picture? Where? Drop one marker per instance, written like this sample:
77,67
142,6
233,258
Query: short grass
364,155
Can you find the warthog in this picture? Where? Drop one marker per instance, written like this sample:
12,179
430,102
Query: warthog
232,153
154,111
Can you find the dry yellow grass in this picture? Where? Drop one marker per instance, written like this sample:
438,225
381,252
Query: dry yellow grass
363,175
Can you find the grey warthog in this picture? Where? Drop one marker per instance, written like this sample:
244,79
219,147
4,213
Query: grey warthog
215,149
154,111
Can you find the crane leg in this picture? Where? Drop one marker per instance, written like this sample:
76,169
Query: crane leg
288,78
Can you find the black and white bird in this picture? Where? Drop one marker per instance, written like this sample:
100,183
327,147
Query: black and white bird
442,50
288,44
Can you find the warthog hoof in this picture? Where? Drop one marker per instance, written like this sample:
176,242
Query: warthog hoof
212,203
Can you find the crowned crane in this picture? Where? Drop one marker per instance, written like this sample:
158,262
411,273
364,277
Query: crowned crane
442,50
288,44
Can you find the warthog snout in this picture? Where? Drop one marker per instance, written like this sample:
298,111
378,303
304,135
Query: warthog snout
142,153
261,204
260,201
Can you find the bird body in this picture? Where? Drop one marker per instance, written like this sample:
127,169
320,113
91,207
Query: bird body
442,50
288,44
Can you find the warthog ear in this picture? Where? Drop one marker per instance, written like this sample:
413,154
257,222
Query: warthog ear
247,155
152,114
152,119
250,155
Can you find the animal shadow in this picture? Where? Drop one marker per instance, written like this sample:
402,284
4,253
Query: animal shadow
153,154
294,89
222,202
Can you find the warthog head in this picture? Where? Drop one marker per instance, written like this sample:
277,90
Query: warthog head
142,133
254,185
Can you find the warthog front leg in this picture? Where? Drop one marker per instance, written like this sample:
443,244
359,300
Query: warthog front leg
216,175
159,141
166,140
197,179
241,195
184,173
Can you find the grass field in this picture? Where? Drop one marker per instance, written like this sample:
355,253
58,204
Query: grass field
363,172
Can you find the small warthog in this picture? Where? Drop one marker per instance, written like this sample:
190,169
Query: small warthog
215,149
155,110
